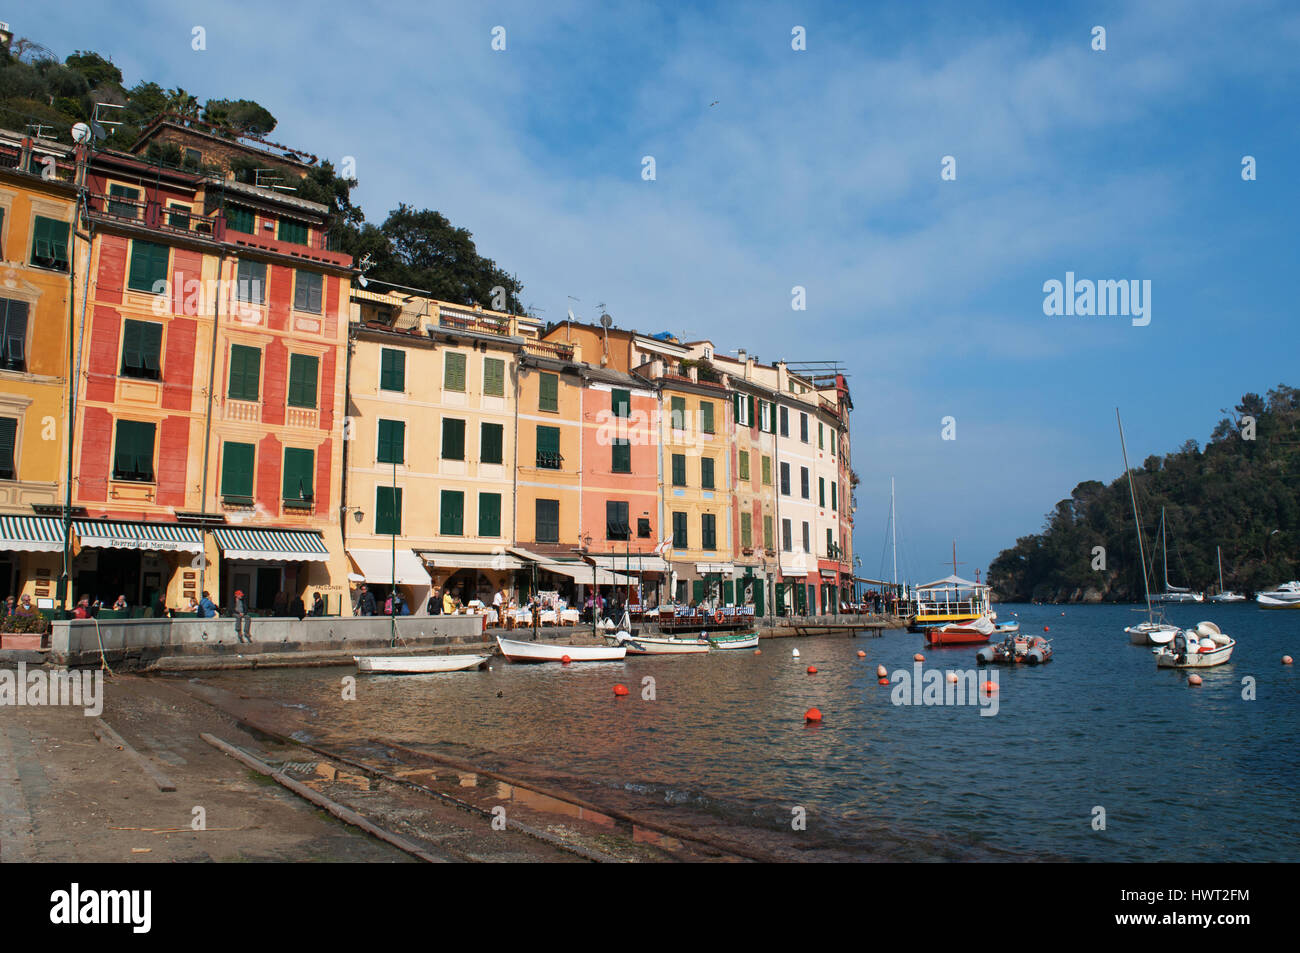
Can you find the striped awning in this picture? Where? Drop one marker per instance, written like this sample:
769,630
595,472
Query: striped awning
272,545
31,534
164,537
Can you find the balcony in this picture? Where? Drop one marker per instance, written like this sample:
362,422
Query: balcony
308,417
152,215
559,352
478,323
242,411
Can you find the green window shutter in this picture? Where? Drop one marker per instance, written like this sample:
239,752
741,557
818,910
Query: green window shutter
292,231
680,540
245,372
706,472
767,533
250,281
771,416
767,471
240,219
453,513
729,592
126,209
621,400
744,464
299,474
388,511
453,371
237,470
489,514
133,456
494,377
548,448
821,491
821,436
706,416
834,493
307,291
302,380
548,392
752,410
141,349
747,530
679,469
547,521
490,443
8,441
622,456
708,532
392,442
50,243
678,413
697,591
148,266
834,440
453,439
392,370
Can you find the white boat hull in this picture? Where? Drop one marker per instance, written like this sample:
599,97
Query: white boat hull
1152,633
545,652
417,664
724,644
659,645
1178,597
1167,658
1228,597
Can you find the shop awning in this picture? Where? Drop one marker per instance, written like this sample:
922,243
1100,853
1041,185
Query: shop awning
583,573
377,566
715,569
496,561
533,557
793,571
637,563
164,537
271,545
31,534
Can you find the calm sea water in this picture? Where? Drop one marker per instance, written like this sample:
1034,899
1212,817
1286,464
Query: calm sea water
1182,773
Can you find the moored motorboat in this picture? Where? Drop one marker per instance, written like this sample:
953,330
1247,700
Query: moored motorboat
1285,596
516,651
417,664
734,640
1008,628
658,645
1201,647
1152,633
964,633
1016,649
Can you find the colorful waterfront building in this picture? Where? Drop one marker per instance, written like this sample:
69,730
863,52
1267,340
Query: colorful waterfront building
430,452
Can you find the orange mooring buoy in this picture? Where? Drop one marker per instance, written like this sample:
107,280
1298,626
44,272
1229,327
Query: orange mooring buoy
812,669
1193,679
990,688
918,657
881,671
1047,628
565,660
861,654
812,714
620,691
758,651
952,676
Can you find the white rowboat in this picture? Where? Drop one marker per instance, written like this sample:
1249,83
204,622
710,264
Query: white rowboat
739,640
417,664
644,645
547,652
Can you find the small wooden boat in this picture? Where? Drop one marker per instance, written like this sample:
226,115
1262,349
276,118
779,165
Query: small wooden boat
963,633
734,640
657,645
1202,647
1008,628
1015,649
547,652
417,664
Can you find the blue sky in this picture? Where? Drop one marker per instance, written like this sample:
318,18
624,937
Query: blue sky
820,168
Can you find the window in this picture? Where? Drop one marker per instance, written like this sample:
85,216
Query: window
803,427
245,372
392,442
292,231
548,448
621,402
494,377
621,452
706,472
835,438
50,243
489,514
679,469
804,489
765,417
178,216
299,475
133,456
148,267
785,479
490,439
679,531
807,538
834,488
193,157
678,416
768,539
643,527
388,511
302,380
744,464
13,335
785,536
706,416
830,544
8,444
307,291
747,530
821,491
392,370
548,521
240,219
548,392
250,281
453,439
744,410
141,345
127,207
767,471
453,371
708,532
821,436
453,513
616,526
785,422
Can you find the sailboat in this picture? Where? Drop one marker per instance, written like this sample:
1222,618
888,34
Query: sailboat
1153,631
1172,593
1224,595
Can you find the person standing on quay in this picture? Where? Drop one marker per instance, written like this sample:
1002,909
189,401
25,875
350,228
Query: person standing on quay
366,605
243,624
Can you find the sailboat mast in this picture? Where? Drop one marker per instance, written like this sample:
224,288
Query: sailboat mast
893,529
1164,547
1218,551
1132,495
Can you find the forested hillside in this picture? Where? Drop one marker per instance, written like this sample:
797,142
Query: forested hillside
1237,493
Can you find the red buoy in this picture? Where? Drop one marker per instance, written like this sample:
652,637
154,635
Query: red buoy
620,691
1047,628
812,669
812,714
565,660
884,681
990,688
758,651
918,657
1193,679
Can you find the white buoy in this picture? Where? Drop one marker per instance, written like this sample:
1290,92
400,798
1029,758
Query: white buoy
795,653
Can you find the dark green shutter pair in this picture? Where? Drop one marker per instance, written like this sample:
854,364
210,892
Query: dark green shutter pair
679,469
708,532
302,380
494,377
747,530
392,370
622,456
388,510
453,377
453,439
8,443
548,392
680,540
50,243
392,441
13,333
141,346
452,517
621,400
133,456
706,473
548,448
307,291
240,219
125,209
821,492
489,514
706,416
299,475
148,267
678,416
547,523
245,372
292,231
250,281
237,471
490,443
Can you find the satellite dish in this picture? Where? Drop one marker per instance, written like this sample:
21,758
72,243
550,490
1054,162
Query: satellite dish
571,317
81,132
606,320
361,280
98,131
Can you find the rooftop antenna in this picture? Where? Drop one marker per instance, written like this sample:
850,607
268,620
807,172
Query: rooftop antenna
100,120
35,130
266,179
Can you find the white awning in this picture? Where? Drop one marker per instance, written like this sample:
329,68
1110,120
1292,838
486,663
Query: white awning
31,534
793,571
583,573
377,566
952,582
271,545
496,561
164,537
533,557
636,564
715,569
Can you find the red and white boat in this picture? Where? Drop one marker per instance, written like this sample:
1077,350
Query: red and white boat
962,633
